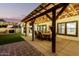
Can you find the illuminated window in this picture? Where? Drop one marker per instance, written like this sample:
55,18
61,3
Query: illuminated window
68,28
42,28
71,28
61,28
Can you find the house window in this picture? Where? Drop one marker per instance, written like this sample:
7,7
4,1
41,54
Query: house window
61,28
42,28
39,28
71,28
68,28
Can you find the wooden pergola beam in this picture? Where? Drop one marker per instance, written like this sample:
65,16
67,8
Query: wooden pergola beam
35,13
49,10
46,13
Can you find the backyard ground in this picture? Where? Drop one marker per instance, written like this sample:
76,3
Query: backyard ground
15,45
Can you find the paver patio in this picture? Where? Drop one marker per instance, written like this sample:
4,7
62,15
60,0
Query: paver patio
21,48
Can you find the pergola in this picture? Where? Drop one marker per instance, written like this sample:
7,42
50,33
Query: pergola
43,10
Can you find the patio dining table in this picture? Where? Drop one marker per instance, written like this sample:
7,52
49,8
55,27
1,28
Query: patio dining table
45,33
46,36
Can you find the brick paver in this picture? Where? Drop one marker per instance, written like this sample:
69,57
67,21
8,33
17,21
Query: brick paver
22,48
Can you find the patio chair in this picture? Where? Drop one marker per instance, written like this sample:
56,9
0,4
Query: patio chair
41,37
47,35
36,34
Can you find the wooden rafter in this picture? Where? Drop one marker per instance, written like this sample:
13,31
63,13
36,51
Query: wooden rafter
69,11
46,13
63,8
73,9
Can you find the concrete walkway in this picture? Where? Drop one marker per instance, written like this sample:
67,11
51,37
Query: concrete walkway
44,46
22,48
65,47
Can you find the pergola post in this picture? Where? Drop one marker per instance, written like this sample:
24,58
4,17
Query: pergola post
53,29
33,30
25,29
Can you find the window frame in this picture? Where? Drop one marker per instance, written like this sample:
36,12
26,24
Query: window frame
76,34
66,28
40,27
58,28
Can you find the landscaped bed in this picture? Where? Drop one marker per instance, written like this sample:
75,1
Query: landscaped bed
10,38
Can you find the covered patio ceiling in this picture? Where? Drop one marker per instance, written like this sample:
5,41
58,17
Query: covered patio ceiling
71,10
39,11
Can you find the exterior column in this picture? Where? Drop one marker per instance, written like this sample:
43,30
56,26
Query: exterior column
53,29
22,30
25,29
33,32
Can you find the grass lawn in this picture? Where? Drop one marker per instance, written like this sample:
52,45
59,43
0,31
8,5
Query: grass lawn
10,38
